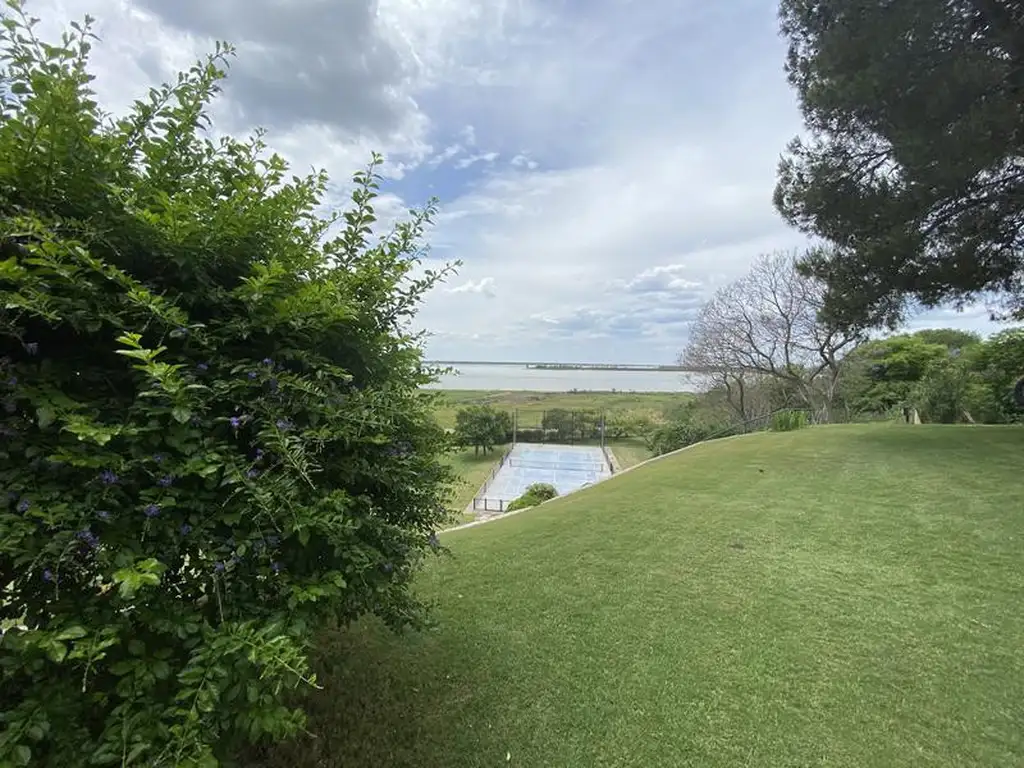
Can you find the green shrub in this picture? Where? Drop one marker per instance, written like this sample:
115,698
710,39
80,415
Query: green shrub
787,421
633,422
535,494
666,438
214,441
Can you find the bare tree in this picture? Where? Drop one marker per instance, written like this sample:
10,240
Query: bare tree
766,326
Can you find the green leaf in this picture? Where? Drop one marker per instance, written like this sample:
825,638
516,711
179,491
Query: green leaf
72,633
45,416
56,651
181,414
22,755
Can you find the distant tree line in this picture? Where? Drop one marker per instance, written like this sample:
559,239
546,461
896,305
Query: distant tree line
769,345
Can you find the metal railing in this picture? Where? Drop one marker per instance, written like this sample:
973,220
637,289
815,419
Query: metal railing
484,504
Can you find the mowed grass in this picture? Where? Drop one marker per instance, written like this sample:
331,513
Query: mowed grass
473,470
838,596
629,451
531,405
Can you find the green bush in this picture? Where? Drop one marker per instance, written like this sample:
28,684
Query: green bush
787,421
633,422
214,441
535,494
675,435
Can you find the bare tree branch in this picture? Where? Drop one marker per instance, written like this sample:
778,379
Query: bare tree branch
766,325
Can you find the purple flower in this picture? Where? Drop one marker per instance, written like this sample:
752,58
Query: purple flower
23,505
284,425
259,454
89,538
185,529
47,575
103,514
159,458
268,362
166,481
218,567
151,510
252,375
236,421
275,567
108,476
32,348
203,367
253,473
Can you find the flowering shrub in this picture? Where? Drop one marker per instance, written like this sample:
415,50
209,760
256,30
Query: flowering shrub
212,437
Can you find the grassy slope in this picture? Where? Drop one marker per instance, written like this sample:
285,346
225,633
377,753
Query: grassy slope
855,603
629,451
473,470
532,404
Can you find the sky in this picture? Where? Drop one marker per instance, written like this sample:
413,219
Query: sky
602,167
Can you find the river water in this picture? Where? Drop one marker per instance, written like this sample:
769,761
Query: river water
482,376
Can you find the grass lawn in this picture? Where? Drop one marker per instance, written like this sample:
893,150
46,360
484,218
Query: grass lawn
474,471
531,405
629,451
838,596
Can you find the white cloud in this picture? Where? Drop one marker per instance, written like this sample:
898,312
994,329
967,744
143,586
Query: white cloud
484,286
483,157
582,162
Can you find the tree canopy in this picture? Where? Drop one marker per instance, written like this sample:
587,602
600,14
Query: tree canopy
914,160
482,426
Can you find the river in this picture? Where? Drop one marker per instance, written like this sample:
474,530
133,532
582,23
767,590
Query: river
483,376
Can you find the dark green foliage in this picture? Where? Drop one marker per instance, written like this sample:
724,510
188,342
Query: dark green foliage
561,422
674,435
535,494
949,392
999,363
886,375
880,374
536,436
912,166
953,339
788,421
482,427
214,441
